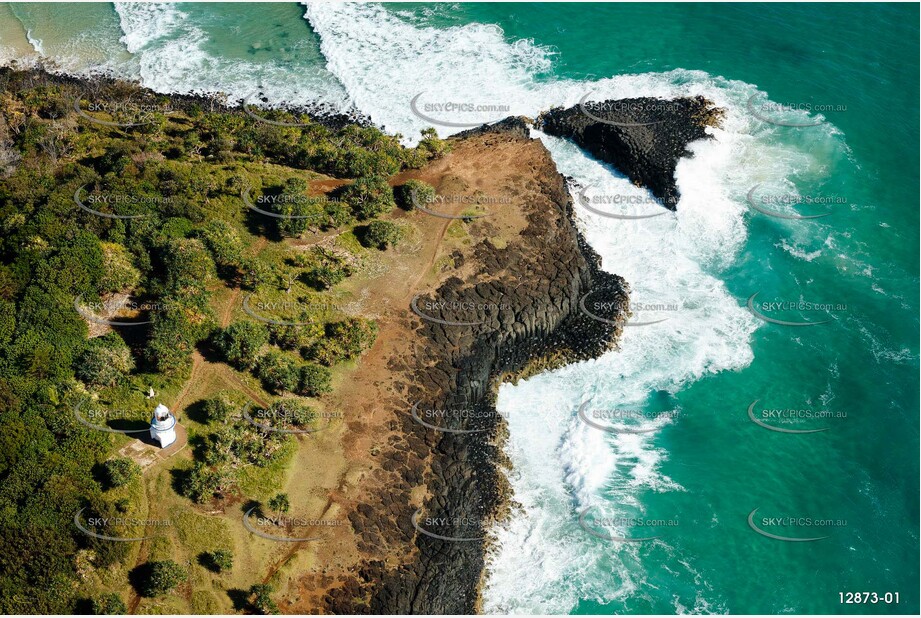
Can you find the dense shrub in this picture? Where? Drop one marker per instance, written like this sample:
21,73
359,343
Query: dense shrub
219,560
325,269
369,197
261,601
344,340
280,503
121,471
413,193
278,372
219,408
189,267
382,234
203,482
109,603
118,271
325,276
105,361
223,242
238,444
300,212
240,343
291,412
313,380
295,337
253,273
178,325
162,577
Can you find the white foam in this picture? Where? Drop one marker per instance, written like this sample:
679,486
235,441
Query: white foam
170,48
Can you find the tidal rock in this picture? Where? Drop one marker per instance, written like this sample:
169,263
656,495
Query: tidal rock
644,137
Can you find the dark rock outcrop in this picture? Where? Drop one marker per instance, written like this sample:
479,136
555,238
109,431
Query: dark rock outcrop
643,137
526,297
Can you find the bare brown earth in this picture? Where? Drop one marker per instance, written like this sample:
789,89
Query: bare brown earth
374,410
384,469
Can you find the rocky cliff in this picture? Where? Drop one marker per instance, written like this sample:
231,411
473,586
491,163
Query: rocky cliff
643,137
520,290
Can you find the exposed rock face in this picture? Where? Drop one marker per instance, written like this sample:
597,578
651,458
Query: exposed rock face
643,137
525,295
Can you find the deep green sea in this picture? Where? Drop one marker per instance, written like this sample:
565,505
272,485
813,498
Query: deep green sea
822,118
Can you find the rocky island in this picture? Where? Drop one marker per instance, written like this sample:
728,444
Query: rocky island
642,137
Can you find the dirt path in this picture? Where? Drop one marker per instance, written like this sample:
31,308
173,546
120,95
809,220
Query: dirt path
203,373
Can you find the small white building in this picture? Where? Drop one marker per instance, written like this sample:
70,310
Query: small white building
163,426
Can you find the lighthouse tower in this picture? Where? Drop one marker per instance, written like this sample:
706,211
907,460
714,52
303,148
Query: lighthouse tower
162,426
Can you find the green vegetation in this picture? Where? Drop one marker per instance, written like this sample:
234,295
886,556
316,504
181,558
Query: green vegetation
261,601
121,471
161,577
109,604
189,240
343,340
105,361
369,197
280,503
118,271
414,193
224,243
219,409
325,269
382,234
240,343
219,560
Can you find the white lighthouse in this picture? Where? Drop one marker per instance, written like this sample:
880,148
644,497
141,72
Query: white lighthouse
162,426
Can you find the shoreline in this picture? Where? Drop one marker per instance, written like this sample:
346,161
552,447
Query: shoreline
544,329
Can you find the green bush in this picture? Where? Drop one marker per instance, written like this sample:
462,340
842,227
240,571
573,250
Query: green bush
203,482
219,409
369,197
291,412
382,234
278,372
325,268
189,267
300,211
118,271
261,601
108,604
432,145
414,193
325,276
121,471
231,447
176,328
254,272
105,361
219,560
343,340
240,343
296,337
313,380
162,577
223,242
280,503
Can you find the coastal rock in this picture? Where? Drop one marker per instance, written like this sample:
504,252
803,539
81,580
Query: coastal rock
525,293
643,137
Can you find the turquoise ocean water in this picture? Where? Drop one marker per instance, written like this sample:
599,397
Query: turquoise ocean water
700,466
